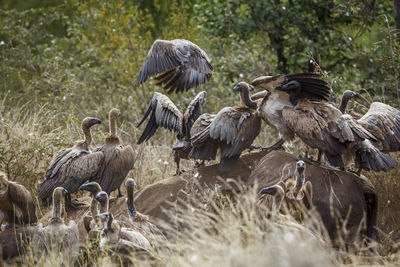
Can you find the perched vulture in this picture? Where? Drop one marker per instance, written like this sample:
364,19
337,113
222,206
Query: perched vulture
57,235
16,203
113,233
180,63
71,167
118,159
342,138
270,109
233,130
166,115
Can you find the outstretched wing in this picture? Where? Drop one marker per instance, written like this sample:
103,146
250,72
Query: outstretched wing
184,65
164,114
312,87
193,112
22,198
74,171
383,122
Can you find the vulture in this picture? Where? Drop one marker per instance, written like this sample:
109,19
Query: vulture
71,167
56,234
181,64
233,130
118,159
112,233
16,203
88,219
342,138
273,102
165,114
294,193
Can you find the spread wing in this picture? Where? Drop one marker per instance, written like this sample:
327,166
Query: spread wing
22,198
312,87
236,128
193,112
119,161
184,65
78,167
383,122
164,114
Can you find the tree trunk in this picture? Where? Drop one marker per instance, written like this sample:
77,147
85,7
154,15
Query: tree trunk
277,43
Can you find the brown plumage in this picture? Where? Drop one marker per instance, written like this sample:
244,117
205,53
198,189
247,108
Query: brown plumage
16,203
166,115
270,109
342,138
233,130
71,167
56,235
14,242
118,159
182,63
341,198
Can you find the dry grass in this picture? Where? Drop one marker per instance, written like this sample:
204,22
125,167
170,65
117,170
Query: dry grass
229,234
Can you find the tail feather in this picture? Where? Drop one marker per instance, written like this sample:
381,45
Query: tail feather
374,160
227,164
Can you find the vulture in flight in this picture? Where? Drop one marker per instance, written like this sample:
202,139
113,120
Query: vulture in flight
233,130
118,159
272,104
181,64
16,203
163,113
72,167
339,136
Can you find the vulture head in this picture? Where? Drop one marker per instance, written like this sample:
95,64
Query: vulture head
89,122
244,89
181,143
273,196
92,187
299,175
269,83
347,95
102,197
114,113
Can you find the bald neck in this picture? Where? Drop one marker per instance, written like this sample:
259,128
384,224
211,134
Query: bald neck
245,99
113,125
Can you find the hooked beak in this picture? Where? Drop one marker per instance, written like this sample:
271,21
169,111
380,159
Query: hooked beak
251,87
268,191
64,191
180,144
94,121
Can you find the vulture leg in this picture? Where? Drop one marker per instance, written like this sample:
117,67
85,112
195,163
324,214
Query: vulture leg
276,146
177,161
199,163
119,192
319,156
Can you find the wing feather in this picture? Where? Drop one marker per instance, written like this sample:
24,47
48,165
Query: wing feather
383,122
22,198
120,160
193,112
182,63
164,114
73,173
